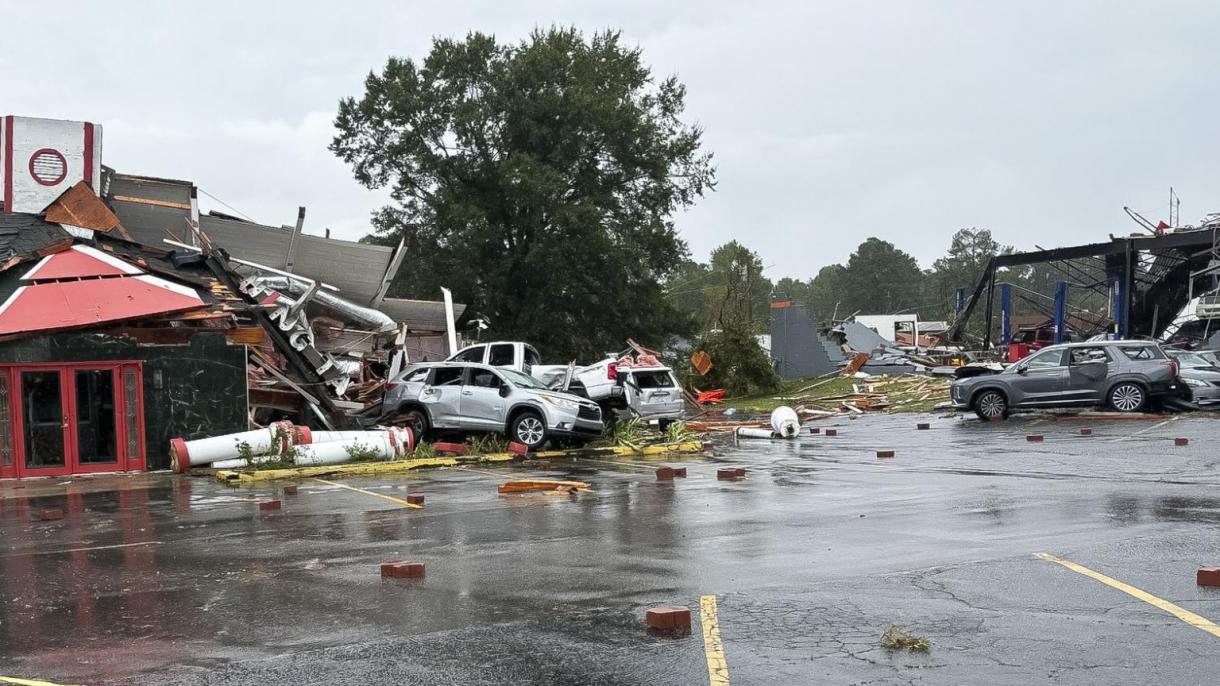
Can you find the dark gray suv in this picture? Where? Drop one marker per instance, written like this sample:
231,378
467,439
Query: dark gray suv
1124,375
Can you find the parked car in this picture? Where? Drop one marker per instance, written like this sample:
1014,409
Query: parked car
466,397
1199,374
1124,375
651,393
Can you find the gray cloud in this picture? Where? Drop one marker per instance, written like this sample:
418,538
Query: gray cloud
830,122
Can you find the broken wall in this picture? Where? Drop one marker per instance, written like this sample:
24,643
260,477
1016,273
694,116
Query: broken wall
193,390
797,347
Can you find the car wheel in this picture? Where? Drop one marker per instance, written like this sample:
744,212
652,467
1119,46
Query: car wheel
529,430
991,405
1127,397
418,421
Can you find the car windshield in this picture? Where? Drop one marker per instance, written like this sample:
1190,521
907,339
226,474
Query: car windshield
1191,360
522,380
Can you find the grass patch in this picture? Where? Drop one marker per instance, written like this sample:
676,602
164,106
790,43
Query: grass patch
486,444
898,638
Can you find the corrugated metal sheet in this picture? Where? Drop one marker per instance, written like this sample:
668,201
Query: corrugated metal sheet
157,190
266,245
420,315
354,268
148,224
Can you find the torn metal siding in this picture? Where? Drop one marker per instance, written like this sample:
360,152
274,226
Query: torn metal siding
355,269
797,347
420,315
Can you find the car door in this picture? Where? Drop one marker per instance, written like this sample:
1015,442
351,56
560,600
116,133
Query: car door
442,396
1088,371
1041,378
482,406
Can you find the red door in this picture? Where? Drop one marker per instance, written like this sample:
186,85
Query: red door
71,419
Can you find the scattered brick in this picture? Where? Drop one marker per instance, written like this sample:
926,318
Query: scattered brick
1086,432
885,453
832,432
741,472
518,448
680,471
449,448
814,430
1181,441
665,474
415,499
668,619
1034,438
400,569
51,514
923,426
1208,576
290,490
268,505
730,474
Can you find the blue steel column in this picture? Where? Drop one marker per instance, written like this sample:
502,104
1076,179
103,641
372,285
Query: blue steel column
1061,293
959,302
1005,314
1120,316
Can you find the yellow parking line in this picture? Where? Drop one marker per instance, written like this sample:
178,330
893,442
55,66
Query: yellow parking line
390,498
717,667
26,682
1185,615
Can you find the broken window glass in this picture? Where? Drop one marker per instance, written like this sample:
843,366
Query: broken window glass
447,376
132,415
501,355
6,421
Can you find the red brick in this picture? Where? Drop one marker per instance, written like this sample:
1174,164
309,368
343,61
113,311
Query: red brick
669,619
415,499
922,427
680,471
1034,438
1208,576
449,448
267,505
290,490
729,474
885,453
832,432
50,514
665,474
518,448
1181,441
814,430
741,472
1086,432
401,569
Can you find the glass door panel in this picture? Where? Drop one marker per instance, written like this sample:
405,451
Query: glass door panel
44,425
97,440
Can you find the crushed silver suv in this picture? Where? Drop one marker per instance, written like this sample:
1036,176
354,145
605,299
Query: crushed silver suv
466,397
1124,375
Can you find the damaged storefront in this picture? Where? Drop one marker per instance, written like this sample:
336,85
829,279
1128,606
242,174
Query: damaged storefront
125,324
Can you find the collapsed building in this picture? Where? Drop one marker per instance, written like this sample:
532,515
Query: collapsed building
128,317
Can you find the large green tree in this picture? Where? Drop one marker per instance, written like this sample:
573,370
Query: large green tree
536,179
880,279
961,267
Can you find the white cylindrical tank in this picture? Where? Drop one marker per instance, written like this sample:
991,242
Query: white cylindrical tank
785,422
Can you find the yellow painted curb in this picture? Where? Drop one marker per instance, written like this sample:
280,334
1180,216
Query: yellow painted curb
398,466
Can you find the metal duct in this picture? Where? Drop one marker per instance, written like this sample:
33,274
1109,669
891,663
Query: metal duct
363,316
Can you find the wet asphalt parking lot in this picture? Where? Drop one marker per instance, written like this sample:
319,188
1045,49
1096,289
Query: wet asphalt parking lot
160,579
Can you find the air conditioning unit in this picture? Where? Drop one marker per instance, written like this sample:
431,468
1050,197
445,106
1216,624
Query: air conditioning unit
42,158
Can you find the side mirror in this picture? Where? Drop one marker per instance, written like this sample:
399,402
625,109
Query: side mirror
1022,369
505,391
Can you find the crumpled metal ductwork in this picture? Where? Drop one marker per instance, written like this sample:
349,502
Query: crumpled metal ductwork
366,317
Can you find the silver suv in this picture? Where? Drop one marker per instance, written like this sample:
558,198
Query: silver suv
468,397
1125,375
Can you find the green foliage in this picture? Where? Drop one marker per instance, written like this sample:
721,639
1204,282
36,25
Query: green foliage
677,432
629,433
898,638
728,291
486,444
358,452
739,364
537,180
969,251
881,279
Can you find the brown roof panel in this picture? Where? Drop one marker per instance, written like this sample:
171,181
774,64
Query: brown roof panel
79,206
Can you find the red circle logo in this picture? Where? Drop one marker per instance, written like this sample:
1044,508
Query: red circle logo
48,166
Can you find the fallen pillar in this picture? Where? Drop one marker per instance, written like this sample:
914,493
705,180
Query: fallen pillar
185,454
392,443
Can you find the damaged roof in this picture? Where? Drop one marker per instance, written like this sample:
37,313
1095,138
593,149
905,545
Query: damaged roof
27,235
420,315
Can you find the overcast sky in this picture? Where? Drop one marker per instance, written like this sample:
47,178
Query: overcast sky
830,122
